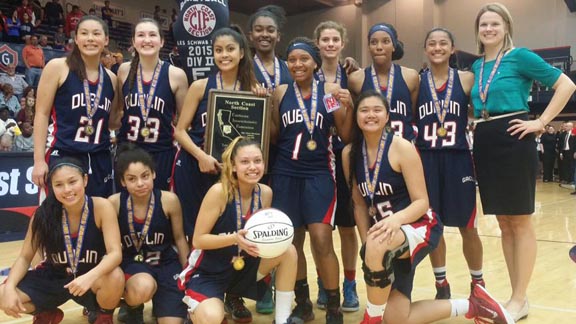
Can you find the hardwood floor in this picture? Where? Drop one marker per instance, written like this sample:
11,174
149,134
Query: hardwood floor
552,292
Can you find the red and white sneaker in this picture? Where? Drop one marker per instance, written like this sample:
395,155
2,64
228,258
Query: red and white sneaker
53,316
484,307
371,320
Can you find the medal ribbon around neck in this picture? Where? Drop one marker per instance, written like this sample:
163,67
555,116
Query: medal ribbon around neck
264,72
238,203
371,182
146,103
74,254
441,106
91,109
139,241
220,84
483,92
321,76
309,120
389,87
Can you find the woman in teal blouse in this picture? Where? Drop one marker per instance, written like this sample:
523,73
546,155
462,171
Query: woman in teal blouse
504,145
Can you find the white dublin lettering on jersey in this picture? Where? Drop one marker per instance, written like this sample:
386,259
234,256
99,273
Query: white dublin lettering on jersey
399,108
132,100
295,117
204,117
156,239
428,109
78,101
89,256
382,189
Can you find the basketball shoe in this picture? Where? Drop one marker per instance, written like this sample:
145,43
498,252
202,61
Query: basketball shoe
443,290
234,306
53,316
484,306
350,303
303,311
371,320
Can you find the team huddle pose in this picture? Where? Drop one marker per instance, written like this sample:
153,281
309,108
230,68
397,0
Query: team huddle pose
405,172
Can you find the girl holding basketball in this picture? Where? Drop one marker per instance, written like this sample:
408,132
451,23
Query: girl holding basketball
76,96
194,170
397,83
222,260
396,226
330,38
153,93
303,116
150,225
79,236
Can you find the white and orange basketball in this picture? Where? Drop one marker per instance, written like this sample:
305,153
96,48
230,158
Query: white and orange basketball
271,230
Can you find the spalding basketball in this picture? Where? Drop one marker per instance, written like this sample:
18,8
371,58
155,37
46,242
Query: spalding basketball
271,230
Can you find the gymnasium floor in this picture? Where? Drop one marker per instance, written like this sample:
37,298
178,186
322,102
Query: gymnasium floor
552,293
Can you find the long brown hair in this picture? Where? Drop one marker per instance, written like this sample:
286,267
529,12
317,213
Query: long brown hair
136,59
74,59
246,74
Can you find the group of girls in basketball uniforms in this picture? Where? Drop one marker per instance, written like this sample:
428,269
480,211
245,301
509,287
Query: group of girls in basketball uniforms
407,156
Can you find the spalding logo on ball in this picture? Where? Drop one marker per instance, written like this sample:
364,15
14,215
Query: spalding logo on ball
271,230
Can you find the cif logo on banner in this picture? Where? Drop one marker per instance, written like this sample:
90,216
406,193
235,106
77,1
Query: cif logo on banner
7,57
197,21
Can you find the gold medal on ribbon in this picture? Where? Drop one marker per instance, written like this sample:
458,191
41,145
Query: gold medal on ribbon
441,131
485,114
238,262
311,145
372,211
139,258
89,130
145,131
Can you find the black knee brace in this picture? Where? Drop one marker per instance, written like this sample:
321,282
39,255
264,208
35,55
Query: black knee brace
383,278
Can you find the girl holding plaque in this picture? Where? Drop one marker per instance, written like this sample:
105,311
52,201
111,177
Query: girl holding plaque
442,117
330,38
304,114
397,83
153,93
150,225
504,151
79,236
194,170
73,107
396,226
222,260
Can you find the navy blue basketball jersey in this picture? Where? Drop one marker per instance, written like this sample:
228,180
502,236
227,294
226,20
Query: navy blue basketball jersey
285,77
337,144
200,119
294,158
391,194
343,77
93,247
401,105
455,121
159,243
160,116
69,118
219,260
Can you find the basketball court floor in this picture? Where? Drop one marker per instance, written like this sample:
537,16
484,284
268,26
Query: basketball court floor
552,293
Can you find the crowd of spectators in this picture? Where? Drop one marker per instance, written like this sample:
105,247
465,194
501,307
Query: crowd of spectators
557,150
